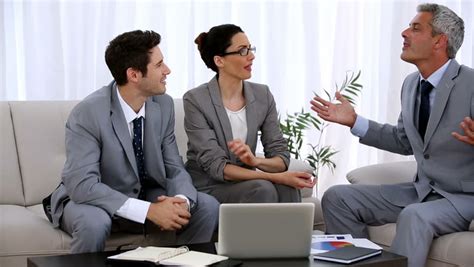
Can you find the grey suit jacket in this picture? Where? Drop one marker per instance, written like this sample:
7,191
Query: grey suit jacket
445,164
208,128
100,168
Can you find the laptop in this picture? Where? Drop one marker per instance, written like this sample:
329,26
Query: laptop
265,230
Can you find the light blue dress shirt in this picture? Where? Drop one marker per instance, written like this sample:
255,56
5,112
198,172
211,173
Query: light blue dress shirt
361,125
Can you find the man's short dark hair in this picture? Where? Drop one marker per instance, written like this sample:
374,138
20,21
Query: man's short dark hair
130,50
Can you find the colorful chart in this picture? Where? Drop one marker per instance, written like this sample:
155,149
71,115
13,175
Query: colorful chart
330,245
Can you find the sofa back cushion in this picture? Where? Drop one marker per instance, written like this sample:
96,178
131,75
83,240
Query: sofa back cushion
11,190
39,132
384,173
180,133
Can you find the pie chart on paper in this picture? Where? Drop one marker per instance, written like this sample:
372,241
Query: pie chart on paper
330,245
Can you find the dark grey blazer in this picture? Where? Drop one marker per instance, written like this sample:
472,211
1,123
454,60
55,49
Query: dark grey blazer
444,163
100,168
208,129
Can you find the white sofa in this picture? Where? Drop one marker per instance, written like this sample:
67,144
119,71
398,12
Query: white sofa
455,249
32,155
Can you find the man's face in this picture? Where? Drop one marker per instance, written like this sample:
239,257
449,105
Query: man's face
154,83
418,42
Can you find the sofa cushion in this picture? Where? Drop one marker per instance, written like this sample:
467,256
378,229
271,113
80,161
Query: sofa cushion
11,190
455,248
39,132
23,232
26,231
180,133
384,173
382,235
303,166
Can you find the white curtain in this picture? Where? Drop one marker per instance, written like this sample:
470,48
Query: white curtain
54,50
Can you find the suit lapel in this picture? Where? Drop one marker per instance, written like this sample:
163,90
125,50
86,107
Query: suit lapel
411,93
151,146
251,112
443,90
121,129
221,112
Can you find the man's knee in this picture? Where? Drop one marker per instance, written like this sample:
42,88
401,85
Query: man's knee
333,195
90,228
412,214
208,206
261,191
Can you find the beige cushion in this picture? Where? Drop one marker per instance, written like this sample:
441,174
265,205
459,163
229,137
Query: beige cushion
180,133
318,213
26,231
384,173
455,248
39,132
302,166
383,234
11,191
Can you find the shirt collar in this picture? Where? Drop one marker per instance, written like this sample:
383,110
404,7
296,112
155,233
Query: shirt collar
129,113
436,76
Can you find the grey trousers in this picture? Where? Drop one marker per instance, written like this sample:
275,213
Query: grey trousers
90,226
254,191
350,208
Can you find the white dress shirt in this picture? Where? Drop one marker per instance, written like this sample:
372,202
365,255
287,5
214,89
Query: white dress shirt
135,209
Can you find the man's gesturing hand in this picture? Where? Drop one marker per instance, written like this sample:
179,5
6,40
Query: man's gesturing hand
342,113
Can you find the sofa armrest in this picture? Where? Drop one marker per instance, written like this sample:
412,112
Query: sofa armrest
302,166
299,166
383,173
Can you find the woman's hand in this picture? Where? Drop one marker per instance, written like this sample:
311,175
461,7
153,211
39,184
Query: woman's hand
297,180
243,152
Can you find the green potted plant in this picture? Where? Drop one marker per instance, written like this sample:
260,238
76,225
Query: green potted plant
297,124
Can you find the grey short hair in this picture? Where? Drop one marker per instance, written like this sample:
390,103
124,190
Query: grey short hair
447,22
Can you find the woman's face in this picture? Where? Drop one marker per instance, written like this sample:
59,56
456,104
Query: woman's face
236,65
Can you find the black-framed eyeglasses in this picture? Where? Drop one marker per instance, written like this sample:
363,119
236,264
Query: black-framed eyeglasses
244,51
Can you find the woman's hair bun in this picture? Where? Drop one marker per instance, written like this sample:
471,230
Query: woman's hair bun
201,40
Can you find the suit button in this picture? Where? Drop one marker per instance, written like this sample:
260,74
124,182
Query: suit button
135,191
426,156
432,183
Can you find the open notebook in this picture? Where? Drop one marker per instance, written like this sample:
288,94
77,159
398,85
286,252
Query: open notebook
169,256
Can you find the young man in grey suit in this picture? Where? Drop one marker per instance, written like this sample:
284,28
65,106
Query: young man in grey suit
122,159
439,200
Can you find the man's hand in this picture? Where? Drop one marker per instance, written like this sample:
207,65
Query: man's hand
297,180
243,152
342,113
468,127
169,213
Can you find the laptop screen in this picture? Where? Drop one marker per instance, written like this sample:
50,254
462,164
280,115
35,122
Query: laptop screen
265,230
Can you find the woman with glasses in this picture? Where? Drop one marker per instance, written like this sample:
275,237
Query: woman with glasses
222,121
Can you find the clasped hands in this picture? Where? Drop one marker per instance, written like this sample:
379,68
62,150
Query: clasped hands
291,178
169,213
